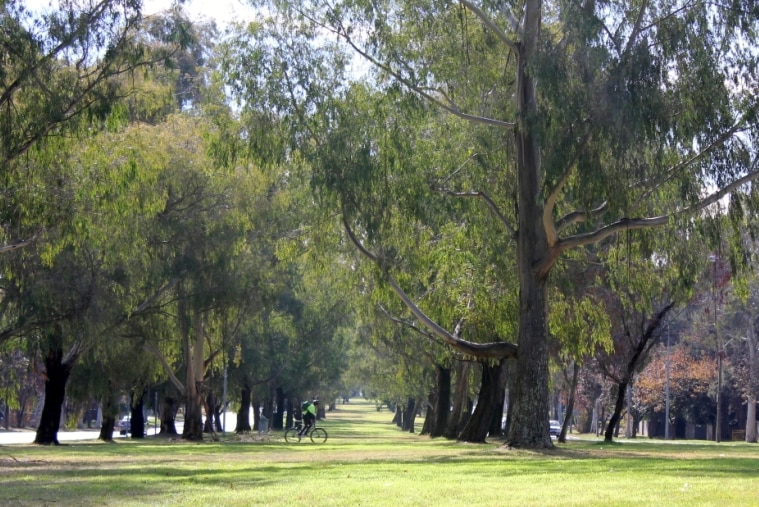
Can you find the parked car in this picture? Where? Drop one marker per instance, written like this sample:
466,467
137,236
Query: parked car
124,425
555,428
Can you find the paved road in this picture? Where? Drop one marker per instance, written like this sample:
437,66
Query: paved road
27,436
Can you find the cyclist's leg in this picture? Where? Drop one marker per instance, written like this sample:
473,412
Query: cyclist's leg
307,423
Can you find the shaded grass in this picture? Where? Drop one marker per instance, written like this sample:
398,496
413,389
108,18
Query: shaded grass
368,461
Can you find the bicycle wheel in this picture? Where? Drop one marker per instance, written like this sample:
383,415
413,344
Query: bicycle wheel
319,435
292,436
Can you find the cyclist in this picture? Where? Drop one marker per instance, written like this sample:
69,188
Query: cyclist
309,416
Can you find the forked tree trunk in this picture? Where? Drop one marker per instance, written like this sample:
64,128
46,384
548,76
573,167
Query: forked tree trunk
57,373
640,352
438,405
461,411
481,421
616,416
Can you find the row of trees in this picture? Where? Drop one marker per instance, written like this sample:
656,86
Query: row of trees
537,134
144,250
623,382
507,187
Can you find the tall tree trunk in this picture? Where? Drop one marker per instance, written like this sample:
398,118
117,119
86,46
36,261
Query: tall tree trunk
645,342
137,417
461,411
243,414
290,420
277,421
213,414
169,416
269,404
530,401
194,352
496,421
256,414
409,415
442,401
481,421
529,426
429,418
616,416
753,382
208,404
110,411
217,416
57,373
570,404
398,417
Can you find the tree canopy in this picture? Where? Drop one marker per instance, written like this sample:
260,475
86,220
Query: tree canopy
577,122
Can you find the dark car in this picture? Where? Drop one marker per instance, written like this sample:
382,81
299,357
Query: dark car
124,425
555,428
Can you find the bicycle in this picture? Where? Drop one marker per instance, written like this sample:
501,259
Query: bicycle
317,434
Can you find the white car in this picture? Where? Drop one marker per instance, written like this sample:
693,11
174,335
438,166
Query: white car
555,428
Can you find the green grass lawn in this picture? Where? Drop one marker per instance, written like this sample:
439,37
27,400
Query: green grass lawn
368,461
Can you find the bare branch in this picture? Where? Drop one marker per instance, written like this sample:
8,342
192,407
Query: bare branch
622,224
550,227
625,224
636,27
20,244
491,24
493,350
449,107
675,170
152,349
579,216
161,290
490,203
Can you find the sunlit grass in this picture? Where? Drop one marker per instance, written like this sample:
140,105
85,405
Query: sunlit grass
368,461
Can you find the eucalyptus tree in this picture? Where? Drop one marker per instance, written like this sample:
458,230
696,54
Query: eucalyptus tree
315,360
63,70
63,294
68,291
194,253
605,117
